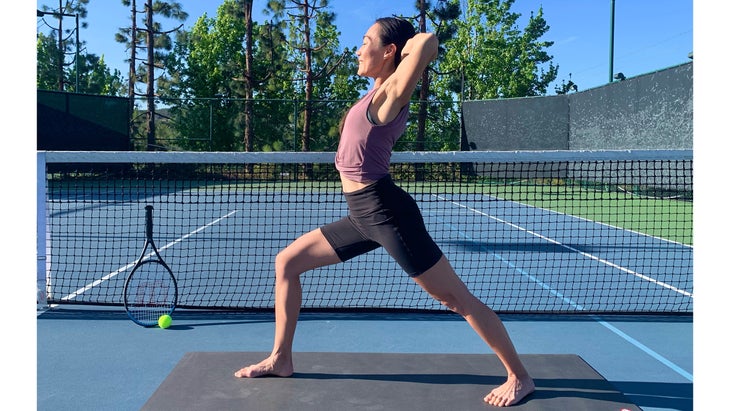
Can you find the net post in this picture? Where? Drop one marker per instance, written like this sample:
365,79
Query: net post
41,233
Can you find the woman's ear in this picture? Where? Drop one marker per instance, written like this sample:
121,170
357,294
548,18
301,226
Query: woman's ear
390,50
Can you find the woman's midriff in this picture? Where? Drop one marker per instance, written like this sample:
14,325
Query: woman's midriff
348,186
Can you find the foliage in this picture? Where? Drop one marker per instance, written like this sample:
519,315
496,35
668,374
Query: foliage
314,55
489,57
228,83
157,44
57,60
46,65
434,128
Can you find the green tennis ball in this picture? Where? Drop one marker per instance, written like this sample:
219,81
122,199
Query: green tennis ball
164,321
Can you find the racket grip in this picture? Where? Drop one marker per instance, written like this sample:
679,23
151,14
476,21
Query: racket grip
148,220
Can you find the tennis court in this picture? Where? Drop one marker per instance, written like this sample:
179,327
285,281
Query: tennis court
586,253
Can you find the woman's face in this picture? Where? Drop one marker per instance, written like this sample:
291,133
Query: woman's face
371,55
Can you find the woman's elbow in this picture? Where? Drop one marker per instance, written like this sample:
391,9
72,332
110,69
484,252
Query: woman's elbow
430,45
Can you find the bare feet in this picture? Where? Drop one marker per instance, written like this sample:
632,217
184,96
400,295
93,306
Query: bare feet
511,392
274,365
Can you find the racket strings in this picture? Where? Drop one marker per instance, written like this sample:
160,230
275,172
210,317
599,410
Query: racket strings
150,292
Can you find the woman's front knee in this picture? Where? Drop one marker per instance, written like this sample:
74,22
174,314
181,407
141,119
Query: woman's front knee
283,265
464,305
450,302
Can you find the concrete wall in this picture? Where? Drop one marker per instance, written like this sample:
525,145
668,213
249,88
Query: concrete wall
651,111
534,123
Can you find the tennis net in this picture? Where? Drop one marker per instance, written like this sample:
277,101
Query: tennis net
527,231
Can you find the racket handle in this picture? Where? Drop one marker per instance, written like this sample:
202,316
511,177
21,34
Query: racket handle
148,220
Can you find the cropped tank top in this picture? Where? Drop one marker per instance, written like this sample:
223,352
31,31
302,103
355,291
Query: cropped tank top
364,150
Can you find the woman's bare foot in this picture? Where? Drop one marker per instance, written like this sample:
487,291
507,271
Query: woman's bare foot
511,392
275,365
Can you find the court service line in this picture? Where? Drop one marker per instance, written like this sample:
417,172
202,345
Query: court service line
151,253
674,367
583,253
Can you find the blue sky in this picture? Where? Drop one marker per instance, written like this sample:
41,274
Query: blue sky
648,34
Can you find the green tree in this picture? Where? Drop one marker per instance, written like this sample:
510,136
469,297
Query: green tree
432,118
313,39
490,57
87,73
46,66
157,43
95,77
225,66
566,87
68,42
204,58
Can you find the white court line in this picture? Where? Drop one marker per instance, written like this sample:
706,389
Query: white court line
126,267
588,255
679,370
674,367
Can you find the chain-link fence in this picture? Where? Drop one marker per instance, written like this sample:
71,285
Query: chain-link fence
232,124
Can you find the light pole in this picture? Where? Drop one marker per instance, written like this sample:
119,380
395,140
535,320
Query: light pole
610,56
40,13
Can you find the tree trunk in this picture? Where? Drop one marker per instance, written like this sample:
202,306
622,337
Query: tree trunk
248,104
150,95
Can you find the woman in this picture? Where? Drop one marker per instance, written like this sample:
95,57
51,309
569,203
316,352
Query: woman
382,214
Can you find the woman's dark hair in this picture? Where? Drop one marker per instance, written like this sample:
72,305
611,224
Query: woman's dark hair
395,31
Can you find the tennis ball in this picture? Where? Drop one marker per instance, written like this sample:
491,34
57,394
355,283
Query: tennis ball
164,321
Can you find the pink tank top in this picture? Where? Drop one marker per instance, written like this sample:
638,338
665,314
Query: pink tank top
364,150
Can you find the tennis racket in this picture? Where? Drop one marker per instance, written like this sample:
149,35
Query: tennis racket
150,290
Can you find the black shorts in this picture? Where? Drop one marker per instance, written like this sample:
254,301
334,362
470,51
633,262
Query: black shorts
383,214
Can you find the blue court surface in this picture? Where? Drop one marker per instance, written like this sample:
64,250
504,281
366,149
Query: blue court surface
97,359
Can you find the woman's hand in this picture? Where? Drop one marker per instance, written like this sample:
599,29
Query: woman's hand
426,41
